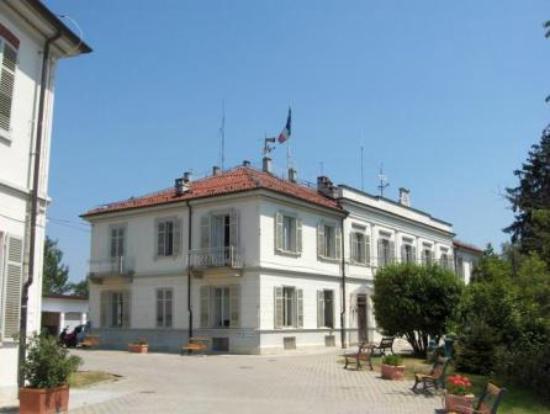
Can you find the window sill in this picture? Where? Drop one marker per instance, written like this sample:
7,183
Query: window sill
287,253
329,259
5,137
354,263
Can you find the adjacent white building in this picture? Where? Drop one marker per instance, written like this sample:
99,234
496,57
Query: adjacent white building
256,263
25,71
63,311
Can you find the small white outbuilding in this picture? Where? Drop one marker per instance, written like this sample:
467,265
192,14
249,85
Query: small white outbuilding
63,311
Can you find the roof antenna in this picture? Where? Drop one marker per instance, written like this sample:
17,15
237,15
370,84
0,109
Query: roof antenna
268,148
383,180
222,135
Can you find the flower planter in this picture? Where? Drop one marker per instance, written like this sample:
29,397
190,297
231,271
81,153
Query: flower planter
393,372
44,400
459,403
138,348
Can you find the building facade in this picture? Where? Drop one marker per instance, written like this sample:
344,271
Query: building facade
63,312
256,263
26,109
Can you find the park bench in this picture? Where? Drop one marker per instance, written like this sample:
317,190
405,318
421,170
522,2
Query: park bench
363,354
386,344
490,400
435,378
196,344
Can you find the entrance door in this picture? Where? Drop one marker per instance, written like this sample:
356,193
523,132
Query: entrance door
362,317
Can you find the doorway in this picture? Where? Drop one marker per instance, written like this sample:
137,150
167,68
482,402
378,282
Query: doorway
362,321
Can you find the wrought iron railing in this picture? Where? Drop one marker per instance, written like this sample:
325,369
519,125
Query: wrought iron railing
216,257
119,265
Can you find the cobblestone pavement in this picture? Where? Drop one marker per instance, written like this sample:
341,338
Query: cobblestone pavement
298,383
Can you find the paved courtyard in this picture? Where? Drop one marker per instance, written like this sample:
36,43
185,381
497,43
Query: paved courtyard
297,383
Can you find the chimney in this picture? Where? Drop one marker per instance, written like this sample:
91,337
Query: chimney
187,177
325,187
292,175
216,170
246,163
179,186
266,165
404,197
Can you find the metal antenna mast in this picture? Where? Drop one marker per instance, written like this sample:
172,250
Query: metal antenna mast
222,135
383,181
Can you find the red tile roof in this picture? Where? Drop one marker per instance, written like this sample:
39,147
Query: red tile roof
467,246
236,180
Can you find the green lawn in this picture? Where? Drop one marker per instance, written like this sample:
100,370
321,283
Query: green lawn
81,379
516,401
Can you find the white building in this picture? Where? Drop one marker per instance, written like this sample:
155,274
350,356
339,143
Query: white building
273,264
63,311
27,68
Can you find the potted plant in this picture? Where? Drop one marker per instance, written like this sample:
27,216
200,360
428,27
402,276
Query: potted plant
46,371
141,346
458,397
392,367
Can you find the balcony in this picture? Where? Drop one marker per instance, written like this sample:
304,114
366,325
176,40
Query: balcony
224,257
121,266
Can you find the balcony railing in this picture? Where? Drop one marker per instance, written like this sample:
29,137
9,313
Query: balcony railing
216,257
120,265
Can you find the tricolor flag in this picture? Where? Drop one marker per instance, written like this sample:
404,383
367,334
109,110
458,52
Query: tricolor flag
285,133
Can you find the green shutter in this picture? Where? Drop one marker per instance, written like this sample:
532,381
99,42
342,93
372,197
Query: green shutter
298,236
205,306
320,309
278,307
299,308
205,231
321,239
234,228
338,242
278,231
13,285
367,249
235,305
126,309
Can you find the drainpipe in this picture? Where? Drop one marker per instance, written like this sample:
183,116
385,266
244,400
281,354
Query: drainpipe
34,208
343,311
189,307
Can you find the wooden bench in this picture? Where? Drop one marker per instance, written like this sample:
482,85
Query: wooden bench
195,344
90,341
363,353
436,377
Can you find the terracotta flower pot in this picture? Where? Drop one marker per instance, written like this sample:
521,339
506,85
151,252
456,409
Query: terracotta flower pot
138,348
44,400
459,403
393,372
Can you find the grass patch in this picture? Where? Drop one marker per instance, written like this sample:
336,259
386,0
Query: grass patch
82,379
517,400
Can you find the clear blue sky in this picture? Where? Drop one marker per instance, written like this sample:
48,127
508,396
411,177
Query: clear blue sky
449,95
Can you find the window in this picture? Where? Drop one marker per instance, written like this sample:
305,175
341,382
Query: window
408,252
329,241
360,246
115,309
219,231
386,250
288,307
445,259
117,241
325,308
168,237
164,308
220,306
288,233
427,256
460,268
7,82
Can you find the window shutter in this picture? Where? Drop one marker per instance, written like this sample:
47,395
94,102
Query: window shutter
205,231
7,82
413,254
14,282
205,306
160,238
278,307
298,236
104,308
235,305
353,247
126,308
320,239
177,237
278,231
338,242
392,252
367,249
320,309
299,308
234,228
113,242
403,253
380,252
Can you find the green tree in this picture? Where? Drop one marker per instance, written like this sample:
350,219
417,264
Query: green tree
79,288
56,274
531,201
416,302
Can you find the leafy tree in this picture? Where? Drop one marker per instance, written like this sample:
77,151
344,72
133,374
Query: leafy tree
531,201
415,301
547,29
56,274
79,288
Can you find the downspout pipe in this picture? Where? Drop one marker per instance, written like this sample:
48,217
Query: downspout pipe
343,310
189,233
34,207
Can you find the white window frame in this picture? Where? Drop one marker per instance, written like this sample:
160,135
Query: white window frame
329,248
384,236
408,251
427,248
362,247
120,249
164,301
322,308
295,244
